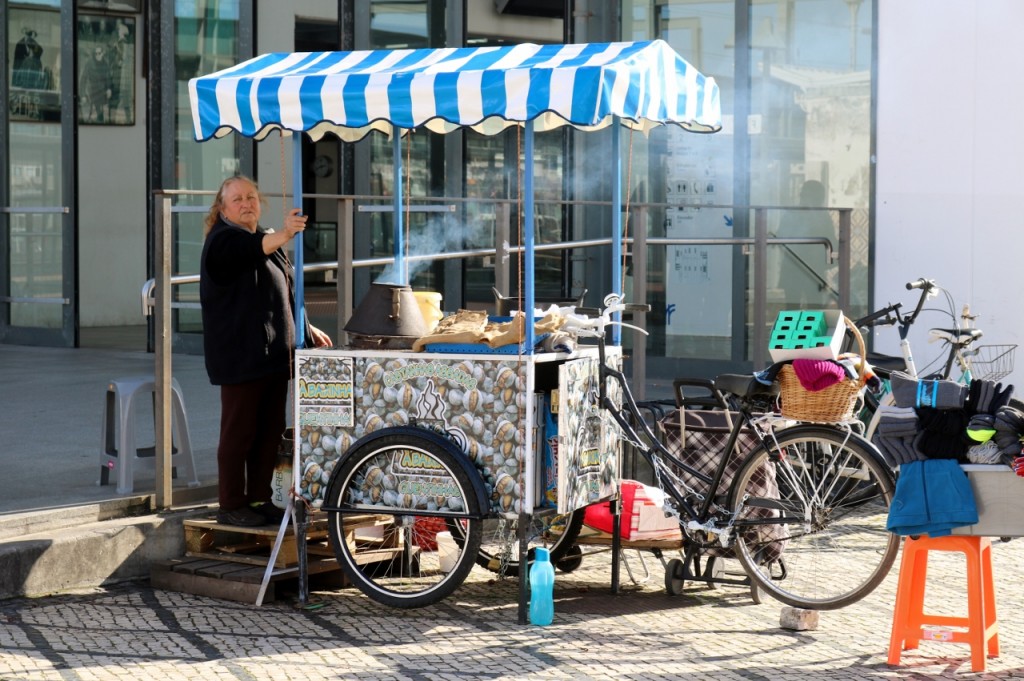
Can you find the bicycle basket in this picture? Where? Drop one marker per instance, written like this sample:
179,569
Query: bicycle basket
992,362
835,403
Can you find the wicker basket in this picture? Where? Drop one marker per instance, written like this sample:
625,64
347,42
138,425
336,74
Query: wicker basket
835,403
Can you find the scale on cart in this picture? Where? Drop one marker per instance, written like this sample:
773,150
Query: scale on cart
398,447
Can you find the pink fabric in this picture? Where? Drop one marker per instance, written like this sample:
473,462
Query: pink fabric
818,374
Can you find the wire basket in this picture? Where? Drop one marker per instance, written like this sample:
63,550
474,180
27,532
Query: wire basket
833,404
992,362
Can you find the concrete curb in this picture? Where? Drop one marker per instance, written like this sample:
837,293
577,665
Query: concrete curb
91,554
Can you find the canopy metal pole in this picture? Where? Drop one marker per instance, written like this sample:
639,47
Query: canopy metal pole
399,227
293,513
300,288
616,222
528,220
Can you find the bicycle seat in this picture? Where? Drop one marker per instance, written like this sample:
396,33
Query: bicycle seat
956,336
886,362
744,385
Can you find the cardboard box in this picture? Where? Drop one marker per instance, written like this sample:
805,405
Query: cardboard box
643,517
999,496
792,339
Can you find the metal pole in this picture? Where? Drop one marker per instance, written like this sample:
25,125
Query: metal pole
398,221
528,219
162,358
300,284
759,339
845,257
639,259
346,228
616,222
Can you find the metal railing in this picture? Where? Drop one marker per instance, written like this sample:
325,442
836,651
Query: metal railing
156,298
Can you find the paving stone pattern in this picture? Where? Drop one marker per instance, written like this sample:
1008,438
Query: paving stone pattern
133,632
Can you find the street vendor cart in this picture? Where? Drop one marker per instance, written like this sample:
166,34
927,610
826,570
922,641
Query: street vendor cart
429,461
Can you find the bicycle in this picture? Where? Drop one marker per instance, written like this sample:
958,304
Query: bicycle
816,538
983,362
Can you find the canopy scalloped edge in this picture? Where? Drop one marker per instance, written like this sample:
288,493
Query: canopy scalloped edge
489,126
350,94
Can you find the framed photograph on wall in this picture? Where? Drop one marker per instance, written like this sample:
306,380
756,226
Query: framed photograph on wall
106,70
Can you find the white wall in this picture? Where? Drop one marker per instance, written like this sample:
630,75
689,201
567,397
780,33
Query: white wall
950,154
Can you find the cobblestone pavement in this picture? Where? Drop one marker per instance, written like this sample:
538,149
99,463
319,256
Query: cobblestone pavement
134,632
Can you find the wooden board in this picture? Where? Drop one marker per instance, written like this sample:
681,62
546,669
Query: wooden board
229,562
206,538
596,537
229,580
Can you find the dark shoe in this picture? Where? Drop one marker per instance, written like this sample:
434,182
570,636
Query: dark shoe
270,513
241,517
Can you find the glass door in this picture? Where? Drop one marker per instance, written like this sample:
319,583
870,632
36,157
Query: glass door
37,241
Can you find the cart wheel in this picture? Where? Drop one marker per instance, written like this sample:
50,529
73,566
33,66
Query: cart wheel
713,570
572,560
675,571
382,540
755,593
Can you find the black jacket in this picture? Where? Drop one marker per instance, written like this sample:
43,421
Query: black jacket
246,295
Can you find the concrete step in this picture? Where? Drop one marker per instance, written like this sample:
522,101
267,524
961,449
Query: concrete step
77,547
22,523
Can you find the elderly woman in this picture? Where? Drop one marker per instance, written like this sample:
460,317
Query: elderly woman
248,337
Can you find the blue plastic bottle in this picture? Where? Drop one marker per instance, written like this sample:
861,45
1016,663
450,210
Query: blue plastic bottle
542,589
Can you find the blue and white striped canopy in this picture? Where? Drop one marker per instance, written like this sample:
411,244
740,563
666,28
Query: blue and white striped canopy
350,94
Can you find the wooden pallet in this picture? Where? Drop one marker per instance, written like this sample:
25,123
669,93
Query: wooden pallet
230,562
206,538
231,580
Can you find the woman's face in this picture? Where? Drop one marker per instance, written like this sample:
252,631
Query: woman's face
241,204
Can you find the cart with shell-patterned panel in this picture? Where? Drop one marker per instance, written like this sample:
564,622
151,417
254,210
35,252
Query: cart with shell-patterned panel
428,463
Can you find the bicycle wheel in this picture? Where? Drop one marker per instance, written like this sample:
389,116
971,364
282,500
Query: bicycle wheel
380,502
811,518
499,549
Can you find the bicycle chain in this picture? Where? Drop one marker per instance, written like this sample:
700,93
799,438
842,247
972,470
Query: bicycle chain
505,548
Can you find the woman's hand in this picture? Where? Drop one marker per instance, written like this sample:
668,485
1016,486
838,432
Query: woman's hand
320,339
294,222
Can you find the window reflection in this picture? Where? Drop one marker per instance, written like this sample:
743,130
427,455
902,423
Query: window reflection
803,149
206,40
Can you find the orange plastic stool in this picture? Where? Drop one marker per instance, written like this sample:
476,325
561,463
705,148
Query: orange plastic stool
909,618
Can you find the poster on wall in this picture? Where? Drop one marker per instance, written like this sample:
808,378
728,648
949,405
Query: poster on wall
106,70
33,54
698,278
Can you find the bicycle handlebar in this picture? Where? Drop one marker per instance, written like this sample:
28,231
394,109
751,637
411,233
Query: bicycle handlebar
883,317
594,326
891,315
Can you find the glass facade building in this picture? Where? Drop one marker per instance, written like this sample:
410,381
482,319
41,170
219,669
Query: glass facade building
794,157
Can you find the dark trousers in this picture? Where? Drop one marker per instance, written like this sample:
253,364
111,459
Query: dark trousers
252,420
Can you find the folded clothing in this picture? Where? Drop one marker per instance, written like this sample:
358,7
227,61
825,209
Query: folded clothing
895,433
932,497
986,452
818,374
943,434
908,391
